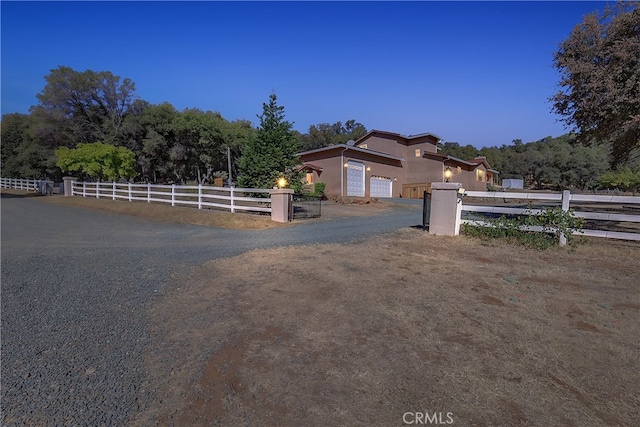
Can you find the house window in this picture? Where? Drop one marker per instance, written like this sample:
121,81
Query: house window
309,177
480,175
362,146
418,152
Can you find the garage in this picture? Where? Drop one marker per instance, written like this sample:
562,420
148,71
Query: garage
381,186
355,179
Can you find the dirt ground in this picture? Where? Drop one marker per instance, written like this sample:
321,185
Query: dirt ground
371,334
400,328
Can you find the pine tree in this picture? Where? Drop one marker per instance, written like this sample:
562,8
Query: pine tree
271,154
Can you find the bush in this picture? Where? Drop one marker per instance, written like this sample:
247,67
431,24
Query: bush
554,222
319,188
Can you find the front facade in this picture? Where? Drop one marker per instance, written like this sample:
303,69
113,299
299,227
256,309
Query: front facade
386,164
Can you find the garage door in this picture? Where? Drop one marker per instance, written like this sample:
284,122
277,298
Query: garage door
355,179
381,186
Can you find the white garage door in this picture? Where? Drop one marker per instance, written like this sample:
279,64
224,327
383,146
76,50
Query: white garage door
381,186
355,179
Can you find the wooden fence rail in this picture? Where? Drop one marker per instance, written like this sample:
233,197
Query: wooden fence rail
230,198
621,211
20,184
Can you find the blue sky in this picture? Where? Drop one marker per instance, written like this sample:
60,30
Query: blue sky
476,73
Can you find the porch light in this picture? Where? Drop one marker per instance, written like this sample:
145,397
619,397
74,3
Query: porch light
368,168
282,182
448,172
346,165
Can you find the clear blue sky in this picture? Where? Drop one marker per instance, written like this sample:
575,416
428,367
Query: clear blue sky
476,73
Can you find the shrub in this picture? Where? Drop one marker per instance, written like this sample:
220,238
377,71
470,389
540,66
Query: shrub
554,222
319,188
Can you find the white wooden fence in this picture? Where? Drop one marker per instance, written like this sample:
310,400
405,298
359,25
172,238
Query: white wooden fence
230,198
20,184
621,211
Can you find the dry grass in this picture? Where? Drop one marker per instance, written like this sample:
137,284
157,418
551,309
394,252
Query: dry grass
361,334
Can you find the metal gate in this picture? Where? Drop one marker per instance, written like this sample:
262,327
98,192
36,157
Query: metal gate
426,210
304,207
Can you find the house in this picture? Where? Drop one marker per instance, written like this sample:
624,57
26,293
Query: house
387,164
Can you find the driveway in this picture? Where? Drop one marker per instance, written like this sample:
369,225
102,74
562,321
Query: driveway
76,286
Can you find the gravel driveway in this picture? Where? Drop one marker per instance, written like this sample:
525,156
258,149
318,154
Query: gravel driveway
76,286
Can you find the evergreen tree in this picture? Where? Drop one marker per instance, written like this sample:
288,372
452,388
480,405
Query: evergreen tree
271,154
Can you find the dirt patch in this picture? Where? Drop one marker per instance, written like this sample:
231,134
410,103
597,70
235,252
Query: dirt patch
331,209
360,334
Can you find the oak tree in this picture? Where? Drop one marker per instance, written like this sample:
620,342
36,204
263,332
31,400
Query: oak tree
599,88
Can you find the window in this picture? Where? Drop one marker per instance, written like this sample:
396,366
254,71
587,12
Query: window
418,152
309,177
362,146
480,175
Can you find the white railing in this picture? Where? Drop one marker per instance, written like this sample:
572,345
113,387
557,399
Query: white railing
619,209
20,184
229,198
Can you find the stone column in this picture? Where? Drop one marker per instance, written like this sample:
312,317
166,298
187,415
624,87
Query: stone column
280,204
446,208
67,185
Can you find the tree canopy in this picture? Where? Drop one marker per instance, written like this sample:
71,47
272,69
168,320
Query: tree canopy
270,154
599,88
97,160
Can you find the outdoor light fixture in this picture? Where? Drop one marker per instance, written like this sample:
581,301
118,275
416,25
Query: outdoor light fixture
448,172
282,182
346,165
368,168
461,193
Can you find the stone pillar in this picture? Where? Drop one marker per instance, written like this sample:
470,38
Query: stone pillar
446,208
67,185
280,204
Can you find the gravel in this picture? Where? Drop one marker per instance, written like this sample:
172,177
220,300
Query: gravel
76,287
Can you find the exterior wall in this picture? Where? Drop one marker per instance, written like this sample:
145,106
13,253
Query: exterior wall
374,166
468,178
422,170
333,166
330,175
383,144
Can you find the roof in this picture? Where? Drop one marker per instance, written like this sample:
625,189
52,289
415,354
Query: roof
397,135
345,147
307,165
480,160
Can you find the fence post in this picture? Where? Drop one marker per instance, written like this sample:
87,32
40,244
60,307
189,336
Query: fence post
280,204
173,194
199,196
129,190
84,188
446,208
148,192
68,186
233,210
566,197
113,192
98,189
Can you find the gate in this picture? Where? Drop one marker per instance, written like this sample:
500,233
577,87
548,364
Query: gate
304,207
426,209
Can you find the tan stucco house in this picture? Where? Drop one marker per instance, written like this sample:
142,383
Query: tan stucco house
387,164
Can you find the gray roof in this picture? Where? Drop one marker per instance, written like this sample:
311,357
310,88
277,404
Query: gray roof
347,147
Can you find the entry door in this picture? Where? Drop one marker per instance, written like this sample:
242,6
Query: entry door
355,179
381,187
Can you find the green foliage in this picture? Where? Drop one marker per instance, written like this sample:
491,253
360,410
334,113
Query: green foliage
554,222
271,153
97,160
85,106
600,79
325,134
319,188
625,179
